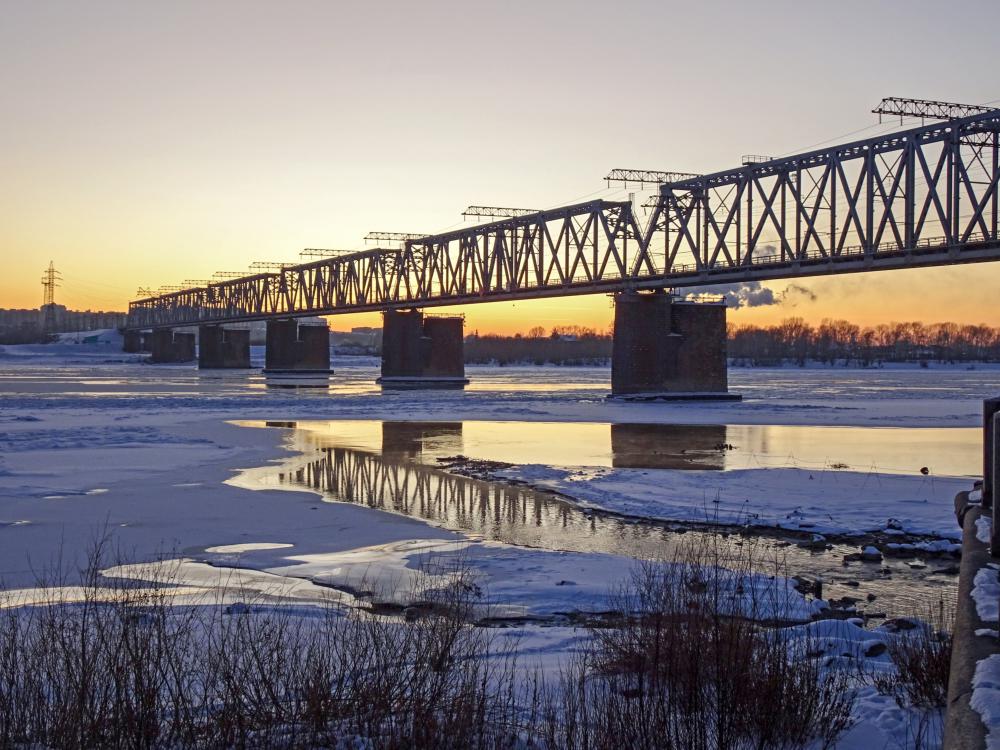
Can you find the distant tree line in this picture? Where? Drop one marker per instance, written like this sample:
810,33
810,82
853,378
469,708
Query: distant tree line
563,345
792,341
841,342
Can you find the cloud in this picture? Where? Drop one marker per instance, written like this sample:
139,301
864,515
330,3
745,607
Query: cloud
792,294
752,294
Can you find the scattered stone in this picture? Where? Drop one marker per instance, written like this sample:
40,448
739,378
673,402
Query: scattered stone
816,542
876,649
871,554
899,624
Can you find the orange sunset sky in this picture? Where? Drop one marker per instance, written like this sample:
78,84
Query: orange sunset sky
145,144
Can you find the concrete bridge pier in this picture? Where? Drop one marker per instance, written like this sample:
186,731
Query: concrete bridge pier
422,352
169,347
297,348
221,348
134,341
667,349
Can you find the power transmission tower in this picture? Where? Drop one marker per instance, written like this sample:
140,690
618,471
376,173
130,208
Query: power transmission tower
50,280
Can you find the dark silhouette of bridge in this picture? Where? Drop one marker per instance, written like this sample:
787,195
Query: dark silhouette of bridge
925,196
921,197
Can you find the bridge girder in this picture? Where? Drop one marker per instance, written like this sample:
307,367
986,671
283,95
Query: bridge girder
919,197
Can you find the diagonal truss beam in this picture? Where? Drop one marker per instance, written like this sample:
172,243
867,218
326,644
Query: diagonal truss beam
919,197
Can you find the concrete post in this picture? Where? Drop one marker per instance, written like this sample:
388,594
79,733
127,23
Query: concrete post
171,347
991,502
990,407
292,347
422,352
963,727
223,348
668,349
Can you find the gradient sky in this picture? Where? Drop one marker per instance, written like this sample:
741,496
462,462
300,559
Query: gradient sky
144,144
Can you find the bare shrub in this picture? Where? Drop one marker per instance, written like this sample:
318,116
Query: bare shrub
922,658
113,664
691,666
688,664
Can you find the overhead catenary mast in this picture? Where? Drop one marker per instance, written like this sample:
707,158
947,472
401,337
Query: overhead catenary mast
927,109
497,212
646,176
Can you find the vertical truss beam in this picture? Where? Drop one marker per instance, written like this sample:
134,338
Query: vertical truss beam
925,196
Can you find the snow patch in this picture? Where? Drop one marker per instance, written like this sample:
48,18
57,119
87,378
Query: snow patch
789,498
984,527
226,549
985,698
986,594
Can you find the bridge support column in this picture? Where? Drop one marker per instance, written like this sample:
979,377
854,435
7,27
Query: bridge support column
134,341
223,348
297,348
422,352
169,346
666,349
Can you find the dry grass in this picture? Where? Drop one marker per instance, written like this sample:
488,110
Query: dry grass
686,670
682,668
138,672
923,661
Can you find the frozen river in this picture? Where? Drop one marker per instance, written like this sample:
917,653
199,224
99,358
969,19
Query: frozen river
95,440
531,480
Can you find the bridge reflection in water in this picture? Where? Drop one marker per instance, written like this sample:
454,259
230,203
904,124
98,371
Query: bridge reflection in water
398,471
668,446
398,481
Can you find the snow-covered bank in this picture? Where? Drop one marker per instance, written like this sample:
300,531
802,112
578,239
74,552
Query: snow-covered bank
143,450
828,502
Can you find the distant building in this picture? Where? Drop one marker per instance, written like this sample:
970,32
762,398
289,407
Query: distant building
25,326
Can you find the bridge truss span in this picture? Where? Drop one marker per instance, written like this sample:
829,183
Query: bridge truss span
907,192
920,197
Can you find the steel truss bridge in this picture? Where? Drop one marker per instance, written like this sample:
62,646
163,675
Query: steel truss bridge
921,197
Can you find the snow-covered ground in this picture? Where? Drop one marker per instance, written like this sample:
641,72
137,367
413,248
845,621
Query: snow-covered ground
827,502
94,442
